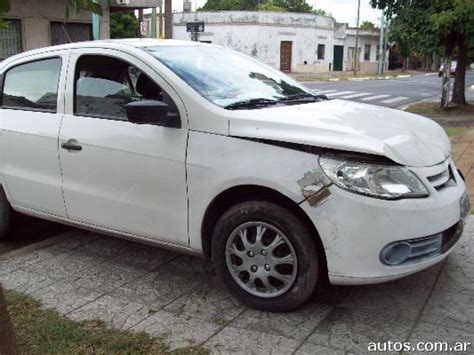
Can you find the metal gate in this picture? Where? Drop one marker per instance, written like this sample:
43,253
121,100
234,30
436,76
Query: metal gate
62,33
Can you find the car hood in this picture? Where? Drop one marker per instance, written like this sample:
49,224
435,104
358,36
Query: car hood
403,137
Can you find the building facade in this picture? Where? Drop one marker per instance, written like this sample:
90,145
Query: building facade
295,42
35,24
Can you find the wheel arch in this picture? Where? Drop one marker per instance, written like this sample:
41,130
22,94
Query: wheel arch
242,193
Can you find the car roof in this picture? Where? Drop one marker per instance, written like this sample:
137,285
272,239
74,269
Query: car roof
108,43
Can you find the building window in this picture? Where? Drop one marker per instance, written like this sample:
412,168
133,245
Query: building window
32,86
367,52
321,50
62,33
10,39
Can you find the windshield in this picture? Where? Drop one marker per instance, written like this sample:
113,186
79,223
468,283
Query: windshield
226,77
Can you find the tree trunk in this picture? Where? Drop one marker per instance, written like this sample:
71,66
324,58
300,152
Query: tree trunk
459,96
7,335
446,83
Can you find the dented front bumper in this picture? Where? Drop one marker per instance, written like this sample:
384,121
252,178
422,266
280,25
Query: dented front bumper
354,229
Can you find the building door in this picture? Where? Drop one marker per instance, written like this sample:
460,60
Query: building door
338,57
285,55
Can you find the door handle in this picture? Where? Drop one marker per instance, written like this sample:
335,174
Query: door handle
71,144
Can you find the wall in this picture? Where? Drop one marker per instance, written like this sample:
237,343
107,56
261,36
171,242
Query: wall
260,33
36,16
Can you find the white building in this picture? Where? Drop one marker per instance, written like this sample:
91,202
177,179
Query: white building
287,41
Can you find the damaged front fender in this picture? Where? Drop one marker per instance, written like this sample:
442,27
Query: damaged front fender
314,187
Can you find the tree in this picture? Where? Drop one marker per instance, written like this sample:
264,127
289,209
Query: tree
230,5
367,25
123,25
436,25
294,5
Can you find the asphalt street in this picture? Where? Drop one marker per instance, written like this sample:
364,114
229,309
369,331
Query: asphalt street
388,93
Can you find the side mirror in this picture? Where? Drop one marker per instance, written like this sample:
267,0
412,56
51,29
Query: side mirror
152,112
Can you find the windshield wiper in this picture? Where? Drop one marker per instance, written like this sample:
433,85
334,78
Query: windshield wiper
304,97
251,103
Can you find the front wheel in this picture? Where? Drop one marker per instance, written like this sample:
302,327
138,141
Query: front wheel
5,213
265,256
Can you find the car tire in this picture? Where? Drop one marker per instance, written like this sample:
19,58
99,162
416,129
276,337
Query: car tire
256,272
5,214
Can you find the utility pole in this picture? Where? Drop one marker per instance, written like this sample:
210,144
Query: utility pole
384,48
168,20
140,20
356,54
153,23
381,41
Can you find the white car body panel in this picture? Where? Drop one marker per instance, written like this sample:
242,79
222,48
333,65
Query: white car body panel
343,125
29,167
155,183
128,177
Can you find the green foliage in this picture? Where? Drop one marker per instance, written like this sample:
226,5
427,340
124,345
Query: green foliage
44,331
367,25
230,5
270,6
294,5
123,25
262,5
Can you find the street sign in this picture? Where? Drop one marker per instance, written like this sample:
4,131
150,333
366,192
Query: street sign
195,26
143,28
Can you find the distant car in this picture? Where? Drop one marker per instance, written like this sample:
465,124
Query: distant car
454,64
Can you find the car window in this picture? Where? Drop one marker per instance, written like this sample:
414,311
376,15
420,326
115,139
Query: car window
32,86
105,85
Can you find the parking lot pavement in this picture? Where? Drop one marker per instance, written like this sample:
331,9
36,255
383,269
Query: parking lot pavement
87,276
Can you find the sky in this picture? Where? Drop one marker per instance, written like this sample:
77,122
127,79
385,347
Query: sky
342,10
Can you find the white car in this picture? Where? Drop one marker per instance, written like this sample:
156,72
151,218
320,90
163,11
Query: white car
204,150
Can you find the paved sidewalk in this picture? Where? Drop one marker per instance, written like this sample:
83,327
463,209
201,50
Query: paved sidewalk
131,286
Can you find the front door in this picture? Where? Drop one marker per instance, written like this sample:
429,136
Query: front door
285,55
338,58
119,175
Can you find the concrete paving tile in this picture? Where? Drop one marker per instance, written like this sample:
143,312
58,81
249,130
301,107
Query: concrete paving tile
24,261
105,246
389,299
309,348
25,281
67,265
162,286
450,309
145,257
237,340
295,325
117,313
210,302
352,330
178,331
74,239
457,279
425,278
425,332
107,276
64,297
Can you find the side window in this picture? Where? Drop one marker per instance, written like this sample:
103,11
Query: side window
32,86
105,85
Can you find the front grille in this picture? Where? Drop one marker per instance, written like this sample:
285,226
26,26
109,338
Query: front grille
451,236
413,251
443,179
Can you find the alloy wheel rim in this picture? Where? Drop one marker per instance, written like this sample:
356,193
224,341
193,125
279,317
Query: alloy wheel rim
261,259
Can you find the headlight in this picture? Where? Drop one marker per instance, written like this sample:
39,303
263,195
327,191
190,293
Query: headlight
377,180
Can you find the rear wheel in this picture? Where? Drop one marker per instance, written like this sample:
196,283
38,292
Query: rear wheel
5,214
265,256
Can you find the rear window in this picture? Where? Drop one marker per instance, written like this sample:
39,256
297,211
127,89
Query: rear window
32,86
